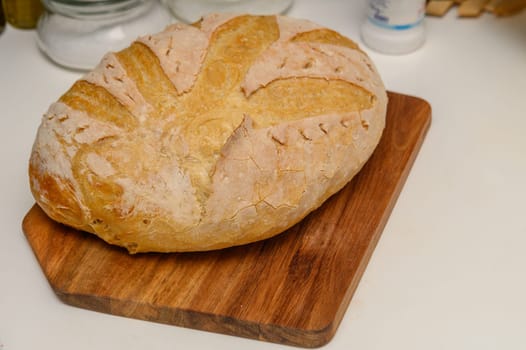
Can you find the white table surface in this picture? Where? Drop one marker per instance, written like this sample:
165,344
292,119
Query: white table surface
450,269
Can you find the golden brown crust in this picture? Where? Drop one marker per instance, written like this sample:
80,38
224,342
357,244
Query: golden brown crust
162,149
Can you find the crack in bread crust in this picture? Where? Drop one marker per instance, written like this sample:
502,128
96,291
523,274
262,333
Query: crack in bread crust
206,136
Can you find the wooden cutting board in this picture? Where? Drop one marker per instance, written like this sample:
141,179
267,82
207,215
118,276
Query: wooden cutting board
291,289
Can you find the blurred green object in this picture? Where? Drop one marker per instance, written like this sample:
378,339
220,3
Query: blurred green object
22,14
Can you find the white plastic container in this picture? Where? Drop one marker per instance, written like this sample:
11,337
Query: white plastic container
394,26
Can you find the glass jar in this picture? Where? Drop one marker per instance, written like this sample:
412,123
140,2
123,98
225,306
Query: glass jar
77,33
193,10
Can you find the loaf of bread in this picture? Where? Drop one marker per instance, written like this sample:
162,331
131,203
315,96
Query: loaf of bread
210,135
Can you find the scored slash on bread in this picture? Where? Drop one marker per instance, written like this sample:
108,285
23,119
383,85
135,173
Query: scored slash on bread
209,135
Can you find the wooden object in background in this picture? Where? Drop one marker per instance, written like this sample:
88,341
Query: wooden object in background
292,289
438,7
503,8
471,8
474,8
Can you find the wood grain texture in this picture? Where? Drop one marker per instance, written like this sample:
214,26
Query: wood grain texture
291,289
